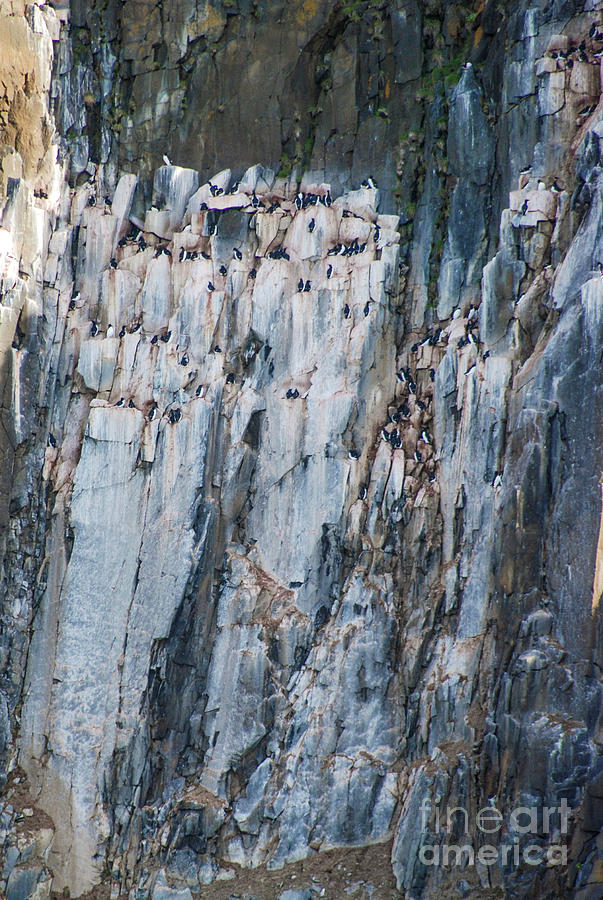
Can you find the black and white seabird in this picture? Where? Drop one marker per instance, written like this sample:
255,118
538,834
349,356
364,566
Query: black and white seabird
329,270
417,456
94,329
425,437
165,337
404,410
154,339
353,454
497,481
412,387
152,413
366,309
217,349
113,263
184,360
210,286
175,415
432,374
223,270
307,286
230,378
166,160
421,404
414,348
122,333
51,439
237,253
182,254
362,493
198,391
524,207
136,327
252,273
346,311
486,355
130,404
300,285
311,225
91,200
120,402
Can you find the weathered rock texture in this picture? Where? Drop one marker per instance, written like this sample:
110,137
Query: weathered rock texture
301,507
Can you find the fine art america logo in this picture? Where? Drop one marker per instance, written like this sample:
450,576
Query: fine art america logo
528,829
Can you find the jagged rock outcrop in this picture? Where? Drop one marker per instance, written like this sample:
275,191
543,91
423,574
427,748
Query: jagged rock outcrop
301,506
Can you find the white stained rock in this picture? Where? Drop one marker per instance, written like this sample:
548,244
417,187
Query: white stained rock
173,188
100,238
119,291
266,229
306,244
542,204
363,202
228,201
257,180
157,294
352,229
159,222
97,361
204,194
122,199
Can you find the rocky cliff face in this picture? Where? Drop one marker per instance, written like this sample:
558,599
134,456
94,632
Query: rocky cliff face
301,506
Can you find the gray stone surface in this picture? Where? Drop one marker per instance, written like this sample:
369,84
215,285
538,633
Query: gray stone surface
238,629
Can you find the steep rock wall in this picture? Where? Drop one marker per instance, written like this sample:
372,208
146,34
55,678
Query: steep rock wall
244,629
